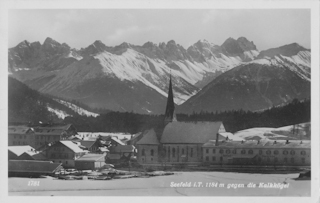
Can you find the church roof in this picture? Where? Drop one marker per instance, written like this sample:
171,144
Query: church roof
149,137
190,132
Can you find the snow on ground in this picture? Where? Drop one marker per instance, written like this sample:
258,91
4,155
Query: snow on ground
94,135
59,113
77,109
231,184
281,133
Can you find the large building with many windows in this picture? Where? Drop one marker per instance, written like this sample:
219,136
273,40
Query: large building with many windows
262,152
38,136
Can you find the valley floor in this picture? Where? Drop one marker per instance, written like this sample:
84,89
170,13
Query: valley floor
201,184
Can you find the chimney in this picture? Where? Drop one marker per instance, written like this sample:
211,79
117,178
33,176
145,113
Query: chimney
258,142
287,141
241,141
275,142
217,139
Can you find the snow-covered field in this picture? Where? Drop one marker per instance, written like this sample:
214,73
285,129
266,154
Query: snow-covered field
281,133
201,184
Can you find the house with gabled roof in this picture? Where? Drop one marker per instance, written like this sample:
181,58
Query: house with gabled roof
90,162
21,135
65,152
25,153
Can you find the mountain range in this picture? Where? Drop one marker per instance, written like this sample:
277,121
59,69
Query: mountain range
206,77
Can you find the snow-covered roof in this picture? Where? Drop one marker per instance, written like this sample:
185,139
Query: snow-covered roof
18,150
73,146
92,157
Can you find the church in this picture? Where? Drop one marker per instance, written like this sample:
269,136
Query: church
178,142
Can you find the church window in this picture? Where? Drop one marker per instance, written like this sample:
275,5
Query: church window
151,152
173,152
228,151
292,152
191,152
303,152
143,152
276,152
221,151
285,152
250,151
243,151
213,151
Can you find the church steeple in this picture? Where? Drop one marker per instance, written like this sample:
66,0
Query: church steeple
169,115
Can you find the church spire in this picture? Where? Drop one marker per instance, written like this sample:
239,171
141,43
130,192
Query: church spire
169,115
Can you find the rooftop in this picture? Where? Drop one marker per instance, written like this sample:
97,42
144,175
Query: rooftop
18,150
19,130
73,146
190,132
33,166
92,157
149,137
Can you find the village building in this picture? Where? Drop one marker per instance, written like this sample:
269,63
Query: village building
21,135
262,152
123,150
39,136
14,152
91,145
31,168
90,162
65,152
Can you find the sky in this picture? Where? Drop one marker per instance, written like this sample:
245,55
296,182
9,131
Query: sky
267,28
